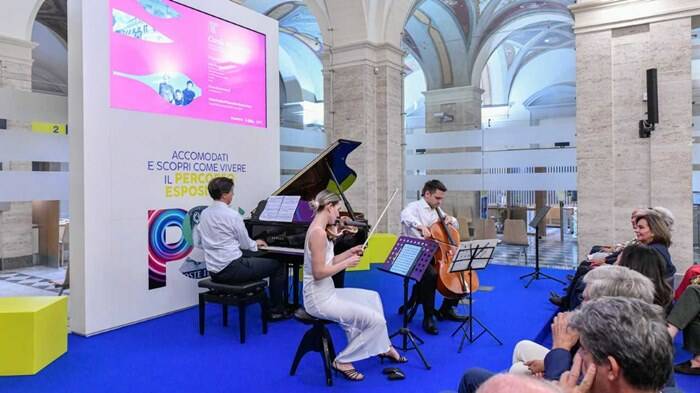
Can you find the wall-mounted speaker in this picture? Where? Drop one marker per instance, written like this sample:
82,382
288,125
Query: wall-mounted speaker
648,125
3,124
652,97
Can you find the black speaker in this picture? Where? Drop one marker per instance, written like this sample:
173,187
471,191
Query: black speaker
652,97
3,124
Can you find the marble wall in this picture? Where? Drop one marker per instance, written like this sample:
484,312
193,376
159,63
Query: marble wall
453,109
16,223
617,170
364,103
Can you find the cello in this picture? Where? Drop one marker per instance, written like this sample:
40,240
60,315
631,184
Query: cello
450,285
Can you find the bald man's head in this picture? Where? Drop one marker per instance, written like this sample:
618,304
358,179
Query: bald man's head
517,383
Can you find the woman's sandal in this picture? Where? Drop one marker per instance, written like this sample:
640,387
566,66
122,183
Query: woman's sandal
349,374
387,355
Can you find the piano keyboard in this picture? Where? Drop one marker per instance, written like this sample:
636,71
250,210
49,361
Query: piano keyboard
283,250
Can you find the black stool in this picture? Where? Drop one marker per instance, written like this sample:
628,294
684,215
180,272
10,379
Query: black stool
240,295
317,339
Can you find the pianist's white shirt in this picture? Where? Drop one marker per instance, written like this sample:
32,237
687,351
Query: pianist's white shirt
222,234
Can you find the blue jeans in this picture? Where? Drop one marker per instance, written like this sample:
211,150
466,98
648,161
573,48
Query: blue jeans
473,378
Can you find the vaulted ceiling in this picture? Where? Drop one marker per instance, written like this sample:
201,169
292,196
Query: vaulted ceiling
486,42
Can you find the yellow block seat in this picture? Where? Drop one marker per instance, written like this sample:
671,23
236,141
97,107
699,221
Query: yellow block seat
33,333
378,249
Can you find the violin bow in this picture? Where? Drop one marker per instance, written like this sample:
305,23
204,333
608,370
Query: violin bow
371,232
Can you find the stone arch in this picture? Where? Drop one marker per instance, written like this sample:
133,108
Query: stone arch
32,17
444,30
491,43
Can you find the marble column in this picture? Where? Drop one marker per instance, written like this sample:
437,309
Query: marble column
363,86
455,109
16,222
617,170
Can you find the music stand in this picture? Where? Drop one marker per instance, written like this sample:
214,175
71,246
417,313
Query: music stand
535,223
472,255
409,258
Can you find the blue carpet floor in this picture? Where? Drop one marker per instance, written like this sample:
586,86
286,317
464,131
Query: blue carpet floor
169,355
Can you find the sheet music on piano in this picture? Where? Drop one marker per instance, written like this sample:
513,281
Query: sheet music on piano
280,208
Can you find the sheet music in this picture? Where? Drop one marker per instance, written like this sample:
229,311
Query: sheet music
280,208
482,250
405,259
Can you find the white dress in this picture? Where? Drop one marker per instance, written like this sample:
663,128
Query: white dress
358,311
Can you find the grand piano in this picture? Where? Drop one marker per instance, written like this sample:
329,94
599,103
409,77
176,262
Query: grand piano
286,239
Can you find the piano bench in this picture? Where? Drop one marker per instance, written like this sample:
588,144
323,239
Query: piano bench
240,295
317,339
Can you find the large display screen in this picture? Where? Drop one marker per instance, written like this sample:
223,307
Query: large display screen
172,59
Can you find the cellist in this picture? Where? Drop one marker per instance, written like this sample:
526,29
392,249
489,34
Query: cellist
416,220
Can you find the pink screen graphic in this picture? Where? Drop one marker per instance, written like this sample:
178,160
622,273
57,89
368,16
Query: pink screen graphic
171,59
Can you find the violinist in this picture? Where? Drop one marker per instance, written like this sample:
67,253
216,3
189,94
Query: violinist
358,311
416,219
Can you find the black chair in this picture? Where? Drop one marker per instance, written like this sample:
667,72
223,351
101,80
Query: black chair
240,295
316,339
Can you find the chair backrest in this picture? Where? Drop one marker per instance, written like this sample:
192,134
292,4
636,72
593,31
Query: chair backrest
484,229
517,212
515,232
489,229
553,216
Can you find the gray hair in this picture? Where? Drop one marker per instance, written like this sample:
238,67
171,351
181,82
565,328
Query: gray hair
666,215
618,281
632,332
516,382
323,199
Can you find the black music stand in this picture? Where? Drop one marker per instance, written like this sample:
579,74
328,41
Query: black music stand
471,256
535,223
409,258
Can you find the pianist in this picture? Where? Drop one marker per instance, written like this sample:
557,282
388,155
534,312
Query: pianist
223,236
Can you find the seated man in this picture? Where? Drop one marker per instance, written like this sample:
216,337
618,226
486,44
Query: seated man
416,219
625,346
533,359
223,235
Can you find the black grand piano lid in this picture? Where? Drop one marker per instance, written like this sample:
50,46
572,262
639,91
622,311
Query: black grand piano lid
316,176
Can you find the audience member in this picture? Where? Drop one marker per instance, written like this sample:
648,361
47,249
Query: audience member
685,316
600,282
652,231
517,383
624,346
598,256
651,264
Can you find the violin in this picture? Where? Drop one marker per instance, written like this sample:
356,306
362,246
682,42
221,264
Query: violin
451,285
341,227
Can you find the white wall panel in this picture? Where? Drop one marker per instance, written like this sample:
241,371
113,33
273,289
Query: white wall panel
443,161
19,105
292,160
26,186
306,138
112,189
529,158
22,145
